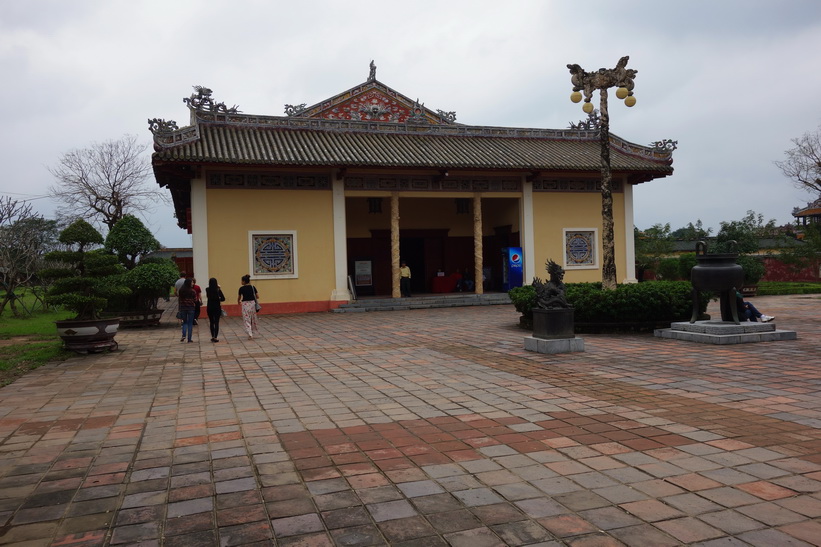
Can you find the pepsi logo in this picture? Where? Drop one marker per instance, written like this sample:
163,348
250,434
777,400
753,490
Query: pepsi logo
515,257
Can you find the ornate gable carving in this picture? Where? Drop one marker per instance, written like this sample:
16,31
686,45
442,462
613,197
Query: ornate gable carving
372,101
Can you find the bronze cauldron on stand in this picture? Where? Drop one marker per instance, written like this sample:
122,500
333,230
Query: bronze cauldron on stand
717,273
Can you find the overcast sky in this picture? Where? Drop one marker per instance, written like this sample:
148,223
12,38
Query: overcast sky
734,81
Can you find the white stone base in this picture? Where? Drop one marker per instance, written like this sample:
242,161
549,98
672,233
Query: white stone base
725,332
557,345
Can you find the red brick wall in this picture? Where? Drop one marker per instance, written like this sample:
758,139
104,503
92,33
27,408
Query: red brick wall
778,271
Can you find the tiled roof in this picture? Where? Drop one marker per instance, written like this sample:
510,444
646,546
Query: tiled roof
283,141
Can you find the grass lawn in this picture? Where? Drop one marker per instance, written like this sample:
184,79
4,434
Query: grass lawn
28,342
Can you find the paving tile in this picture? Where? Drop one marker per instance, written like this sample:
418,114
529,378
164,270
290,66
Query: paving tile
406,529
644,534
731,521
770,513
473,440
689,530
478,537
358,535
390,510
453,521
478,496
347,517
567,525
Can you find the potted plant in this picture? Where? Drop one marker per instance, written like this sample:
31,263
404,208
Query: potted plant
83,285
149,279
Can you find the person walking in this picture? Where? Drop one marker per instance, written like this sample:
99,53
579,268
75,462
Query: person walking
247,300
213,307
178,284
187,299
404,279
198,302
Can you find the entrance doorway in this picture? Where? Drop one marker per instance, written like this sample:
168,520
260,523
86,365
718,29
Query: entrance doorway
412,251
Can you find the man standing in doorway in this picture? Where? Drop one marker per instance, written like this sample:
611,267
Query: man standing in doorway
404,279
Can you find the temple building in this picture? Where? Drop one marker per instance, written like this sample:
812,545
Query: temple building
329,198
811,214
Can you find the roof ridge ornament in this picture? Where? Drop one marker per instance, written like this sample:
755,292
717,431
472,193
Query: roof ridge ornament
592,123
161,126
295,110
664,145
201,101
372,73
447,117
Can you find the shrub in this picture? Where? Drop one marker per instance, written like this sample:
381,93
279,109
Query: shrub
686,262
149,281
753,268
668,269
766,288
629,305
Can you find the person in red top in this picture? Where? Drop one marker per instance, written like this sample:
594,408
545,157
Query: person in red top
198,302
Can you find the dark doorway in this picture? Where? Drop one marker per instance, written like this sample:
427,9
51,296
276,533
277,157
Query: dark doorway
412,251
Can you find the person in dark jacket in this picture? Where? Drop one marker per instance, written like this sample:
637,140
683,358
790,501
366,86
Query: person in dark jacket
187,301
214,309
748,312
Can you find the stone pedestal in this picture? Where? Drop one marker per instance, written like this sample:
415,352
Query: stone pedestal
553,332
725,332
553,324
560,345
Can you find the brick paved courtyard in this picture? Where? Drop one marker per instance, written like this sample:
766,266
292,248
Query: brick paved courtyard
425,427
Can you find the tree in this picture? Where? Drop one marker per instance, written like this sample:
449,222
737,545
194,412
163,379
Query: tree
24,237
803,162
804,251
652,245
129,239
692,232
746,233
105,181
88,276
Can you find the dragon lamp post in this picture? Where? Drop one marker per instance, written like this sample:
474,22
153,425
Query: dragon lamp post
586,83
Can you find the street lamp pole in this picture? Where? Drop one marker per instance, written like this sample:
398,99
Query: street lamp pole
602,80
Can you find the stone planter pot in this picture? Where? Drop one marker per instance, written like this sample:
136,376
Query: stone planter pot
552,324
88,335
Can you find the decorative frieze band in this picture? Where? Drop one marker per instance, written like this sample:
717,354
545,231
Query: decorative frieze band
434,184
408,183
573,185
269,181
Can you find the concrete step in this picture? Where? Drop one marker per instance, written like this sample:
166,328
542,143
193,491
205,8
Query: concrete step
450,300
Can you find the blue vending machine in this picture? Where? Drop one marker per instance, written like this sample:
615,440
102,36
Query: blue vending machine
512,269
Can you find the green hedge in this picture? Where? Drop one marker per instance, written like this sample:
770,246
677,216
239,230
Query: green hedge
632,306
768,288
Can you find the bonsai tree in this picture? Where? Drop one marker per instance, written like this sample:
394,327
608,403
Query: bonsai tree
148,279
88,276
130,240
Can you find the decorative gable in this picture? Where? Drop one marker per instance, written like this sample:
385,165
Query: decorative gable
372,101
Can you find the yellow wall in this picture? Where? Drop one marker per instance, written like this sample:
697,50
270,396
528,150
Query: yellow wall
232,213
553,212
